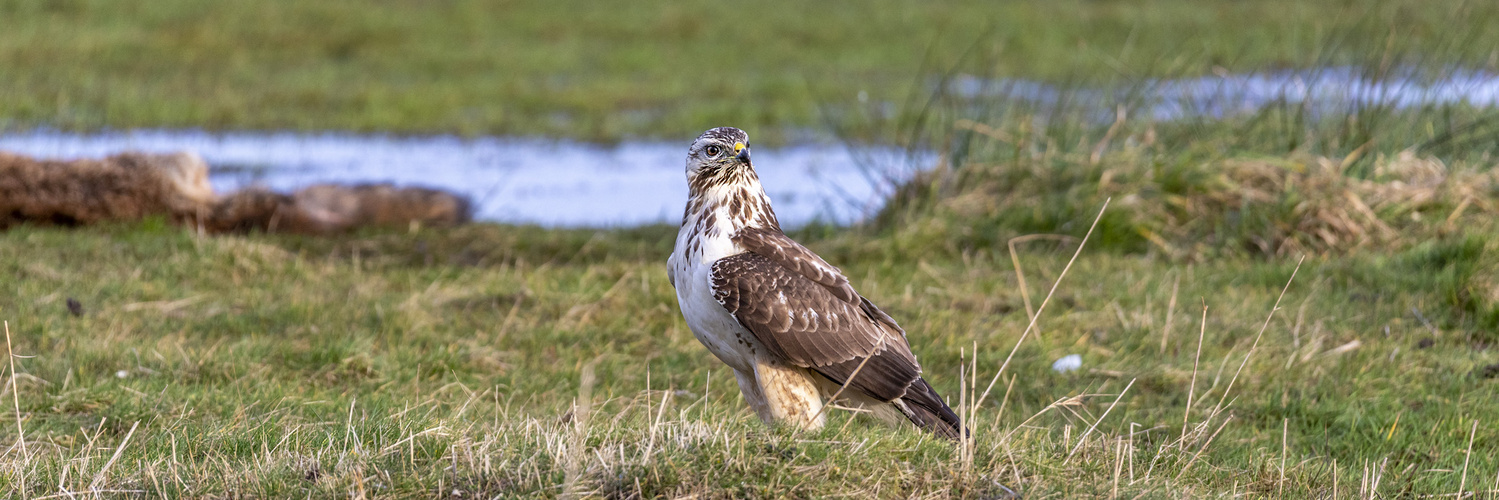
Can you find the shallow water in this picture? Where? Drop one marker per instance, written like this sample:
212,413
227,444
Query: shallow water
1216,96
553,183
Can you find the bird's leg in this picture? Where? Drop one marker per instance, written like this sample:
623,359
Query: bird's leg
752,395
791,395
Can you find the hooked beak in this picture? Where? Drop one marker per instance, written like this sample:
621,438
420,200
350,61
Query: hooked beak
742,152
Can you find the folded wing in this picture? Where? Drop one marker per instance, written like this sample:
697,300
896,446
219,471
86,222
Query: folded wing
805,312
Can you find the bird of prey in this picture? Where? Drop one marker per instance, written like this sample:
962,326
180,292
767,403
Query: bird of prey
789,324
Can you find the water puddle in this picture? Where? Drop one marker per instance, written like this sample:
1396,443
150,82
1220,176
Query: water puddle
1216,96
553,183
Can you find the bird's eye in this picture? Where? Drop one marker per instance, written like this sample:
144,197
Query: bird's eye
714,150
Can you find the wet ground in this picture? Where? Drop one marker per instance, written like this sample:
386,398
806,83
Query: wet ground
1321,90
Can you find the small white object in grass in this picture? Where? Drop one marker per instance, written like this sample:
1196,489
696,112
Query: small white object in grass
1068,363
122,374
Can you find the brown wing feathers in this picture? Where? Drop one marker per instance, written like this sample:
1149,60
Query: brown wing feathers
801,322
775,246
805,311
795,318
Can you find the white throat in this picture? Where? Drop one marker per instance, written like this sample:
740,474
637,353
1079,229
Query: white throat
716,212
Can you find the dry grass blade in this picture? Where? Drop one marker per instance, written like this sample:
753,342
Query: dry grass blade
969,385
1025,291
15,394
1258,336
1047,300
984,129
396,446
1204,447
1495,489
1170,313
1005,401
1463,484
1118,466
1196,360
651,444
1070,400
963,445
1084,438
103,471
1280,484
572,468
1120,115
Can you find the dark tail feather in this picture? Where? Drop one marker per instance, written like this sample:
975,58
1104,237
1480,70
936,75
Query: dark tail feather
925,408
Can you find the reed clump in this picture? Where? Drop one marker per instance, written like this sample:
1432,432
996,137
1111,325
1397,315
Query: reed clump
1194,208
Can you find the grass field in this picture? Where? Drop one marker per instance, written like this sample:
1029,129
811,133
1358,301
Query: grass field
657,69
502,361
508,361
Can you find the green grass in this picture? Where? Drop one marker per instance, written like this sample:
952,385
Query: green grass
656,69
448,363
502,361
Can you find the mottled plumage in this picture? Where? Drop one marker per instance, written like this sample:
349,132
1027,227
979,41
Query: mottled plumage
790,324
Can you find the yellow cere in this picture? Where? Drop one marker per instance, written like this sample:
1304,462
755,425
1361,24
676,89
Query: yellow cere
738,146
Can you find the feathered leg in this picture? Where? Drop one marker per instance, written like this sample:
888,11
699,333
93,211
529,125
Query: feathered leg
791,395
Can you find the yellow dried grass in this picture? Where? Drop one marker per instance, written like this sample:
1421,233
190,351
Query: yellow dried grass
1326,210
1271,206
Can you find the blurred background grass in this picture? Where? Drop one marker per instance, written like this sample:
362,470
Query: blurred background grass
649,69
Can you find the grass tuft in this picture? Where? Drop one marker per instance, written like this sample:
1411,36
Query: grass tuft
1200,209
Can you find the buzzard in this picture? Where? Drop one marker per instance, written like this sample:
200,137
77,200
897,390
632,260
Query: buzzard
791,326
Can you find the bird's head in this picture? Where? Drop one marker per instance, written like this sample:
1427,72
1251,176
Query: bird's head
719,155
